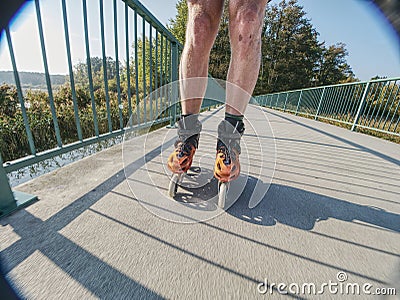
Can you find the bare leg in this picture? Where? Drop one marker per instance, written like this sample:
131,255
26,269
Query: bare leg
245,26
202,28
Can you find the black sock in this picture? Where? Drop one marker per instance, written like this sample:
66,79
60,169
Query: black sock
236,121
189,121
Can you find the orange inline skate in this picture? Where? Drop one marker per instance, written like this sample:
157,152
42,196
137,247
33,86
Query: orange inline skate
180,160
227,165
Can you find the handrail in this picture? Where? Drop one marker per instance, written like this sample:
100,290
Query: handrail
106,112
369,105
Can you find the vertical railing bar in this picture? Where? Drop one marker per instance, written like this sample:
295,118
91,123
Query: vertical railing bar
304,102
324,105
394,114
128,70
284,106
89,70
105,77
342,103
349,97
320,96
20,95
156,75
356,100
309,102
169,77
313,104
372,98
161,78
174,78
47,75
354,96
391,105
298,103
320,102
312,101
332,101
71,73
333,98
387,102
137,71
380,105
377,99
350,103
144,69
398,121
361,106
121,122
277,99
151,70
334,108
166,78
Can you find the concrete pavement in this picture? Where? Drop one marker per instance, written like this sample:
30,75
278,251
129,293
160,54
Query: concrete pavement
332,210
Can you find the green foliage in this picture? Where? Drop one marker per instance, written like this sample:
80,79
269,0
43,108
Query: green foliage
178,25
8,100
221,51
333,67
292,56
13,137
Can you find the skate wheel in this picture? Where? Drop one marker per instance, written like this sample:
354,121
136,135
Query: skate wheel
222,193
173,184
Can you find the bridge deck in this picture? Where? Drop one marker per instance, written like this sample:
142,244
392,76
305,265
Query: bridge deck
333,206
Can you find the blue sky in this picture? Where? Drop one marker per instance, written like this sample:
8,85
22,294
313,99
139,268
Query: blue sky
372,44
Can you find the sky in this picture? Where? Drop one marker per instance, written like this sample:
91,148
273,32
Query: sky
371,43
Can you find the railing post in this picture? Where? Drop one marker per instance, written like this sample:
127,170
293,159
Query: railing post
361,106
298,103
319,105
174,79
9,201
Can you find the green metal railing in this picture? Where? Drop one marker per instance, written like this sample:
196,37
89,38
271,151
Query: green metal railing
372,105
151,62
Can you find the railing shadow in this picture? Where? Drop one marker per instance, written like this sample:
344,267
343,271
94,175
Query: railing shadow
303,209
338,138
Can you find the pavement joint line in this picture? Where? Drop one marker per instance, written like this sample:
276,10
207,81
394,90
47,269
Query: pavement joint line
256,242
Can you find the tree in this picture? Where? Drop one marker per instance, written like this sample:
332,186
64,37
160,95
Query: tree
8,100
292,55
333,67
221,50
177,26
81,72
290,49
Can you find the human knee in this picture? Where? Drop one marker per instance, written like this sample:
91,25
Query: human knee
247,24
200,30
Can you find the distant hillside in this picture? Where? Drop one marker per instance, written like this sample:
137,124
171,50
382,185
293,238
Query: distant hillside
32,79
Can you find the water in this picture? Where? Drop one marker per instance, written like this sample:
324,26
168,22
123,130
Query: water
25,174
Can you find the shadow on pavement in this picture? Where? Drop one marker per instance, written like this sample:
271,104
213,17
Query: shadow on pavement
303,209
